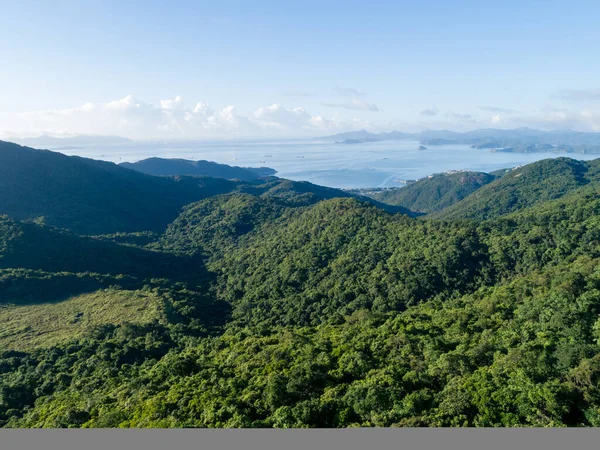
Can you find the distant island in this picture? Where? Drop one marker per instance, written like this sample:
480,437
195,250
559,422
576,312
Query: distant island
357,137
519,140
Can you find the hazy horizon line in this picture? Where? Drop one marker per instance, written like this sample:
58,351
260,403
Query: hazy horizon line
18,137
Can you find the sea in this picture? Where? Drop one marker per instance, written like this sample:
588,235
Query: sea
381,164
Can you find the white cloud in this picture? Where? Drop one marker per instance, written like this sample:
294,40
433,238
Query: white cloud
203,120
131,117
172,104
229,117
88,106
172,118
279,117
202,108
127,103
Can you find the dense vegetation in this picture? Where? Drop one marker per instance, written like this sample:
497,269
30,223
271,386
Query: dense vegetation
435,193
279,304
162,166
525,186
96,197
91,197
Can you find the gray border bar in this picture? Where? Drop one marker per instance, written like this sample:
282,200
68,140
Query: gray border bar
346,439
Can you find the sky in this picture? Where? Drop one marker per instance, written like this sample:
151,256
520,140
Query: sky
228,69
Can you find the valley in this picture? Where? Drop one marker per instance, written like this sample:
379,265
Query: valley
182,300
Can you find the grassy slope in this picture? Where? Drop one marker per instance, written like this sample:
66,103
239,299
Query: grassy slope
513,345
26,327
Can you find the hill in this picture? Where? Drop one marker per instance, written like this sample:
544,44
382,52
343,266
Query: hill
356,137
524,187
420,323
278,304
89,196
360,135
303,193
32,246
93,197
163,166
40,264
435,193
340,256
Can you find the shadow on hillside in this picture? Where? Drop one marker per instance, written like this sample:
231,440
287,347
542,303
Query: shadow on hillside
36,248
26,287
200,313
182,282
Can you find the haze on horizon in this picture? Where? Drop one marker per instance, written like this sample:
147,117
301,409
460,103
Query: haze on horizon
235,69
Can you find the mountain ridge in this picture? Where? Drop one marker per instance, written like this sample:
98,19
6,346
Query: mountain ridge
178,166
510,140
92,197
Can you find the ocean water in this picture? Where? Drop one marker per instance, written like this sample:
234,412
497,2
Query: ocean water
368,165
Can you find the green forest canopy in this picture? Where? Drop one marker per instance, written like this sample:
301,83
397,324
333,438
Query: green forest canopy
281,304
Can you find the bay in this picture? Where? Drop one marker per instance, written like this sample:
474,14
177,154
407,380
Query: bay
346,166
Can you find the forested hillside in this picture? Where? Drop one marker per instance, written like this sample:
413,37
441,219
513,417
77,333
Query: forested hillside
96,197
525,186
478,195
437,192
89,196
164,166
283,304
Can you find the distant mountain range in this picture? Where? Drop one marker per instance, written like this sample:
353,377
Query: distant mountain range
520,140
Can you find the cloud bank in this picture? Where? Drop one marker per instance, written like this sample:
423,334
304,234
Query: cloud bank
173,118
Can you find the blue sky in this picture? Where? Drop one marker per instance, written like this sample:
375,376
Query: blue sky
189,69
